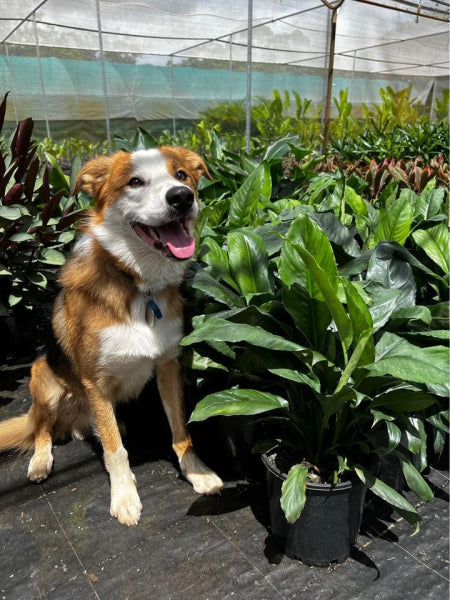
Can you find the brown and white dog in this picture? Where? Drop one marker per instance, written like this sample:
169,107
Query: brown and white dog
118,319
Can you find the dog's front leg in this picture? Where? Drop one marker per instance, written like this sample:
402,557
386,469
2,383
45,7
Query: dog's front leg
125,502
203,480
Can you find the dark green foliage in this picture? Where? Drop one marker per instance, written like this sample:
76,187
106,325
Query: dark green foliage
319,306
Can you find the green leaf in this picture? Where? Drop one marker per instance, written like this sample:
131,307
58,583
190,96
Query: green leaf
366,337
207,284
395,356
57,179
429,202
4,271
306,234
248,262
21,237
388,494
52,257
10,213
356,203
217,258
395,222
215,329
415,481
328,287
307,262
236,402
256,189
435,241
38,279
311,316
361,323
308,379
74,170
403,400
293,492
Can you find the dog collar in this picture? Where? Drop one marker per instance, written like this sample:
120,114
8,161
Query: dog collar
152,312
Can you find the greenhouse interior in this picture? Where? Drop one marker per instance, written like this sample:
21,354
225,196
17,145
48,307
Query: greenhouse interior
81,68
249,201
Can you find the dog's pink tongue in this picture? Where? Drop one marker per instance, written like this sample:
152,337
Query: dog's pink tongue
180,244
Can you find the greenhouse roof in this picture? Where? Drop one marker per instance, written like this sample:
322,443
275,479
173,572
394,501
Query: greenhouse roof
405,37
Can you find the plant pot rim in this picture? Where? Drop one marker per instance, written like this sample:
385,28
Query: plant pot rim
341,486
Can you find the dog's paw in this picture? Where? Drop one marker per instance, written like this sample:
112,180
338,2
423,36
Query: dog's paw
40,466
205,483
203,480
126,505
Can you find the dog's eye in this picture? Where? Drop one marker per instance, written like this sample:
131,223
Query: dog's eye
181,175
135,182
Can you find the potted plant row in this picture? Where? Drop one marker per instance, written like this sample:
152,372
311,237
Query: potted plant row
318,321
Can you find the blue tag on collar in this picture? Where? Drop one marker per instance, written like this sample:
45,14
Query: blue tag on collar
155,309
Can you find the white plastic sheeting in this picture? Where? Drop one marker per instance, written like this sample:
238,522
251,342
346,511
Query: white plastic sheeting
162,59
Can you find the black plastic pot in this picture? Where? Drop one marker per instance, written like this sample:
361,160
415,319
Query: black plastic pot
328,525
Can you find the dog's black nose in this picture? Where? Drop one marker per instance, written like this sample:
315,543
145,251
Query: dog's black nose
181,198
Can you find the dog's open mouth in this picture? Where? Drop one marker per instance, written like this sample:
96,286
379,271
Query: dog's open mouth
172,239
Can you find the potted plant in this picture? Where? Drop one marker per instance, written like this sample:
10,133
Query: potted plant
317,325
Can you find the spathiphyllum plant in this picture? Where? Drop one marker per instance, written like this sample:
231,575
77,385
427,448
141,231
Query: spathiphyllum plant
326,318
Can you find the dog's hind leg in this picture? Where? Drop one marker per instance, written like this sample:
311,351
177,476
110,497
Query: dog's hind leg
203,480
46,393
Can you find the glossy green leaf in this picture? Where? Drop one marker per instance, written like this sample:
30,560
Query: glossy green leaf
403,400
306,234
429,202
361,324
216,329
256,189
366,337
388,494
248,262
293,492
52,257
308,379
395,222
236,402
310,315
415,481
206,283
395,356
435,241
307,259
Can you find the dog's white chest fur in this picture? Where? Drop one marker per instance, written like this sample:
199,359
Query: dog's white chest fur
129,351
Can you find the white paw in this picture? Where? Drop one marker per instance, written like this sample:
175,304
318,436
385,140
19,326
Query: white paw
205,483
203,480
40,466
126,505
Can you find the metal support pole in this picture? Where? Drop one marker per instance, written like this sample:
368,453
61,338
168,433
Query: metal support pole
248,117
41,75
326,130
105,89
172,92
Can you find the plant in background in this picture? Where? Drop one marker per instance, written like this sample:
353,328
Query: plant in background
396,108
441,105
317,310
37,218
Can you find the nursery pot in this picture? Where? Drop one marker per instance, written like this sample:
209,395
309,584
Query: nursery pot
328,525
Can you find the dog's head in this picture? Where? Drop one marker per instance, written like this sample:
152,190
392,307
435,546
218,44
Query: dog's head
146,197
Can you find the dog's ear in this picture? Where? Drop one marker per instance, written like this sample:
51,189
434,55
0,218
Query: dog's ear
203,170
93,175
